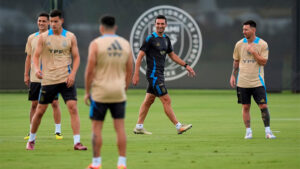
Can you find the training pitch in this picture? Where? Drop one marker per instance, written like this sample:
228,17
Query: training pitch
216,140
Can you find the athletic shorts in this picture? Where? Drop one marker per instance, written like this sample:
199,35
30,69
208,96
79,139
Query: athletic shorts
34,91
157,88
49,92
98,110
259,95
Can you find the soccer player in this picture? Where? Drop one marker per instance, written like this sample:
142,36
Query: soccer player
55,47
33,82
107,77
155,47
249,58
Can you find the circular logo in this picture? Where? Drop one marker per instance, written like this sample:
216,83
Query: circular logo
183,32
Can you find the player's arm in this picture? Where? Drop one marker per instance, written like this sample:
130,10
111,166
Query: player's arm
235,69
76,62
26,71
138,62
129,69
89,71
259,59
179,61
36,56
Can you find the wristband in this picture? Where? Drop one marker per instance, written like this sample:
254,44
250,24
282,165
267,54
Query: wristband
185,65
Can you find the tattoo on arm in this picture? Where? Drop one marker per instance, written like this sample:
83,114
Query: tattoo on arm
235,68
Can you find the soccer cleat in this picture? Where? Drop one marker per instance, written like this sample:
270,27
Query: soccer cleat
248,135
91,167
79,146
184,128
30,145
141,131
121,167
58,136
26,137
269,135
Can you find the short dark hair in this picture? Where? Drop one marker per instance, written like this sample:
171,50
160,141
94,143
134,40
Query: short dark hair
55,13
251,23
161,17
108,21
44,14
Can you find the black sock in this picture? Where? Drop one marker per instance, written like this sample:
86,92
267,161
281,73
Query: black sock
265,115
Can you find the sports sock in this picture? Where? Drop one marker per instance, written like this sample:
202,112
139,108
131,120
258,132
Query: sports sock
32,136
57,128
76,139
96,161
122,160
248,130
267,129
178,125
265,115
139,126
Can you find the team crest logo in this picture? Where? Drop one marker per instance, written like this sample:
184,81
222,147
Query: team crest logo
183,32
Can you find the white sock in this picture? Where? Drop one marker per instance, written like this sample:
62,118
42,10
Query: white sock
76,139
248,130
267,129
32,136
57,128
122,161
178,125
96,161
139,126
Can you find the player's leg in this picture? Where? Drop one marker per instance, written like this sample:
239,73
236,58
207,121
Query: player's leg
97,115
46,96
33,95
118,113
244,98
57,118
166,102
144,109
260,97
70,97
36,120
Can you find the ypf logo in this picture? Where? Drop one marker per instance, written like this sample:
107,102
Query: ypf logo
183,32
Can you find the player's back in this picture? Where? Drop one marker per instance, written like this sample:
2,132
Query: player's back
109,82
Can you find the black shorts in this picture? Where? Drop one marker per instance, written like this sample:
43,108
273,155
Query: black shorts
49,92
34,91
156,87
259,95
98,110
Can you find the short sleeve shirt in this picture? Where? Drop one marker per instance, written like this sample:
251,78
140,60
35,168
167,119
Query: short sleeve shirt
156,49
251,74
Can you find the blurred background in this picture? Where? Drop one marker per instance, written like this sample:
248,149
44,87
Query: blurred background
220,23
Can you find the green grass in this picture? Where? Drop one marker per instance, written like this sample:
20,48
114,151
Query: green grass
215,141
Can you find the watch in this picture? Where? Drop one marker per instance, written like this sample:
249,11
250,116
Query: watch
185,65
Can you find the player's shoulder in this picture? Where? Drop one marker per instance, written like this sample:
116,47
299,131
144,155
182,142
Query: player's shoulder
31,36
240,42
262,42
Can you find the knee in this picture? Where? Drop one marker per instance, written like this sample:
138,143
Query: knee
246,108
149,101
263,106
34,106
72,110
54,104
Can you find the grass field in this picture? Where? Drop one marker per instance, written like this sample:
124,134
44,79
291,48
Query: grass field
215,141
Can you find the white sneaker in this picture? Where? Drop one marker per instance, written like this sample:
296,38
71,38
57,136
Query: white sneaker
248,135
269,135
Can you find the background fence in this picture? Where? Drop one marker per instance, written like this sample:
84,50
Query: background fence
220,23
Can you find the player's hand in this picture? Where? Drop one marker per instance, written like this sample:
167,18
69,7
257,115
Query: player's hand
26,80
232,81
70,80
135,79
191,72
250,48
87,99
39,74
